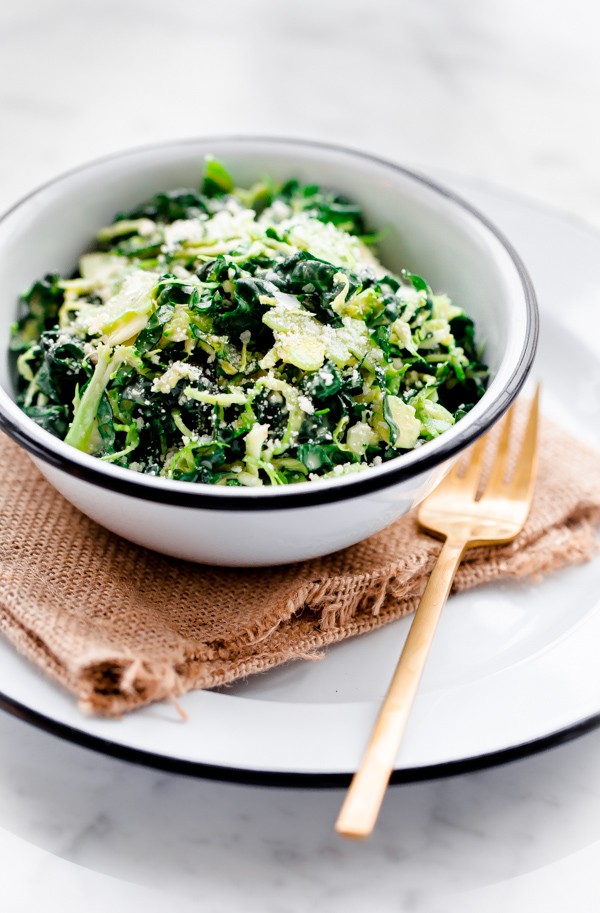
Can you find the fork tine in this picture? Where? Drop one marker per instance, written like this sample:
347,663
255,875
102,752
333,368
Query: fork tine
468,480
500,465
520,486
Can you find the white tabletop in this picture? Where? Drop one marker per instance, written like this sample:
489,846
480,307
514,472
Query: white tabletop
506,93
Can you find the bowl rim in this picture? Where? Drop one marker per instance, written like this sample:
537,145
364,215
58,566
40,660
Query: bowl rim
308,494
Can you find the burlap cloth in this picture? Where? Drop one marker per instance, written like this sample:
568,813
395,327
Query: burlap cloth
120,626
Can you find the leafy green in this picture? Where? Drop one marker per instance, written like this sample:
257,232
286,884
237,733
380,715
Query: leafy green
324,205
217,180
244,311
168,206
315,282
318,457
52,418
38,311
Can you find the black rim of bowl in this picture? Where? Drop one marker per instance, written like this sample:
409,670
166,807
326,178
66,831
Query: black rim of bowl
197,496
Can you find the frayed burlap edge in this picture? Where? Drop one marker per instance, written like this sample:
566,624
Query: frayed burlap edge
112,686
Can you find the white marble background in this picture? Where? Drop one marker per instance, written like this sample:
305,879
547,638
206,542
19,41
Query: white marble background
504,92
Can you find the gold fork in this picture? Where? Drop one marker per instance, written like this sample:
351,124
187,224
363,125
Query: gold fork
455,513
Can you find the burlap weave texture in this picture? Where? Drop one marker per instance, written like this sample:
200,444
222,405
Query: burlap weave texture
120,626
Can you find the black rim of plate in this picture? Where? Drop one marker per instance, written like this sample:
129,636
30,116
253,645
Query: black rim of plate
197,496
291,780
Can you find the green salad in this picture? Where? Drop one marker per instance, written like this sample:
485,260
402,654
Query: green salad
243,337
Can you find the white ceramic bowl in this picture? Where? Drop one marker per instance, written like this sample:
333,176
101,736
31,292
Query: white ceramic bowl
431,232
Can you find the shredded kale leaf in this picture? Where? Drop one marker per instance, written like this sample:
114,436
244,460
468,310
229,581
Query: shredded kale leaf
243,336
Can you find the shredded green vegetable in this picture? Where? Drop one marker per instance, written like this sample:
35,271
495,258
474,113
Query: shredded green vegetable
243,337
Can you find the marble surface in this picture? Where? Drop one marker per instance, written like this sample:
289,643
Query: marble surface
505,93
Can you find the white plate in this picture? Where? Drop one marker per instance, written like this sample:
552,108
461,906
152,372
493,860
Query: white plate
514,667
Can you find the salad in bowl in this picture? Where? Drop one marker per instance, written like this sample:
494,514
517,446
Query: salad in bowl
243,337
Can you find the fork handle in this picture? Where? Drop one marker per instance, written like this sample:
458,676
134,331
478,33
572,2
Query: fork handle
363,800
